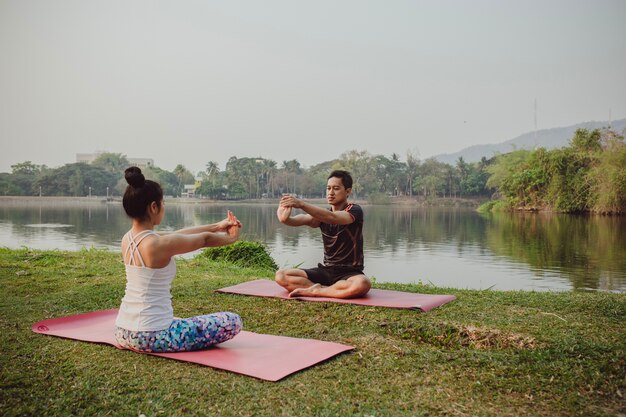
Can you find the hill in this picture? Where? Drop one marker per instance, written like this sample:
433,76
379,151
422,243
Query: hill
548,138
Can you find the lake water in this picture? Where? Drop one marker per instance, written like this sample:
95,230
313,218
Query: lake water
446,247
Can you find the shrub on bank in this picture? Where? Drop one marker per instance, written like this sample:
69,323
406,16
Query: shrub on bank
494,205
242,253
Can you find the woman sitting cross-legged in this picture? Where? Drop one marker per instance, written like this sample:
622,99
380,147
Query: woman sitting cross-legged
145,321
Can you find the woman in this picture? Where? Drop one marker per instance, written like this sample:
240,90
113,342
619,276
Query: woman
145,321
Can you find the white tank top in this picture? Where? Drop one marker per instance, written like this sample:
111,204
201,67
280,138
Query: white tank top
147,303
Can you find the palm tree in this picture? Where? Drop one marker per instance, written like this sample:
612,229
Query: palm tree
292,167
183,175
412,166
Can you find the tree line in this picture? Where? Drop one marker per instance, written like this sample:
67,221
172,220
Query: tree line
588,175
376,177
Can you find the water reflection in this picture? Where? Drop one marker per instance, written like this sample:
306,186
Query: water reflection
455,248
590,250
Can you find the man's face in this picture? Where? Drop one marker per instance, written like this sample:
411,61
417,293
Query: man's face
336,193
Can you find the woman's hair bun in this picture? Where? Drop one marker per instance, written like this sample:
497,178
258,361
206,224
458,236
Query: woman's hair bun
134,177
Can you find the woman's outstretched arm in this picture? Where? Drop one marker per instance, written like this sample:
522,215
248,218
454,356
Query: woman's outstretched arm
220,226
176,243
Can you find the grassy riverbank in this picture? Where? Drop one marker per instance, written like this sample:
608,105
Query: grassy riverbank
486,354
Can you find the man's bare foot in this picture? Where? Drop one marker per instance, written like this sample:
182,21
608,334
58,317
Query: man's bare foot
311,291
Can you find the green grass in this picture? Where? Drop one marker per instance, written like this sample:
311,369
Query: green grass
242,253
486,354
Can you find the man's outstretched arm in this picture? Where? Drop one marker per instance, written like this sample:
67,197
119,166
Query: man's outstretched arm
284,216
318,213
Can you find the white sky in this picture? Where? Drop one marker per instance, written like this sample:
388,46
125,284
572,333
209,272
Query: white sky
196,81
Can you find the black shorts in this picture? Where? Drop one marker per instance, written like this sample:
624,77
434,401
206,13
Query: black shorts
328,275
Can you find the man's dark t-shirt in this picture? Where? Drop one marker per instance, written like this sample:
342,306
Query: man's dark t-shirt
343,244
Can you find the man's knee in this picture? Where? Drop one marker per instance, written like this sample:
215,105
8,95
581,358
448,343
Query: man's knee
281,277
362,285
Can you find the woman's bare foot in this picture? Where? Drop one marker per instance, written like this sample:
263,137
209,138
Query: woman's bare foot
311,291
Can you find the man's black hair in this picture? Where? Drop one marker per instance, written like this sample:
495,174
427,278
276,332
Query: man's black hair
346,178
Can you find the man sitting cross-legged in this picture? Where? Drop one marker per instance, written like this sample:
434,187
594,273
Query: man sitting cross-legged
341,275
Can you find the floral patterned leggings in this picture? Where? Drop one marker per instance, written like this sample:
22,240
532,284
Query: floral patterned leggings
193,333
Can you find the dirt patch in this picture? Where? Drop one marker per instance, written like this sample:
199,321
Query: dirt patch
454,335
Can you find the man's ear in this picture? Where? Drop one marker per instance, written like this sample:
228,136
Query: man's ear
348,190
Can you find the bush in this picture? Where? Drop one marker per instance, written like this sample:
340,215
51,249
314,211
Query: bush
378,198
493,206
242,253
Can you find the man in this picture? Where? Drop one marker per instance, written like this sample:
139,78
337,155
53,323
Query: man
341,276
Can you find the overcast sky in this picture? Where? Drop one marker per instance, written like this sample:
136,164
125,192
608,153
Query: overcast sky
196,81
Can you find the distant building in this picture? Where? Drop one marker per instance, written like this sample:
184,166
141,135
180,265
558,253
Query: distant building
189,190
141,162
90,157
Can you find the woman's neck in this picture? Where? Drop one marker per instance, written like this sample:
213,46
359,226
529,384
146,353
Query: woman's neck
141,225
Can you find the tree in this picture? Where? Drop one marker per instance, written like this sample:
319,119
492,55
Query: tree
183,176
472,178
115,163
390,172
586,141
25,168
211,183
462,172
255,175
475,181
451,180
362,167
268,171
608,177
212,190
292,169
587,175
412,167
504,165
168,180
76,179
7,187
431,177
22,178
236,191
319,178
212,170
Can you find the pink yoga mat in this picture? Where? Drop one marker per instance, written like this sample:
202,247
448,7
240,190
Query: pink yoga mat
375,297
259,355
